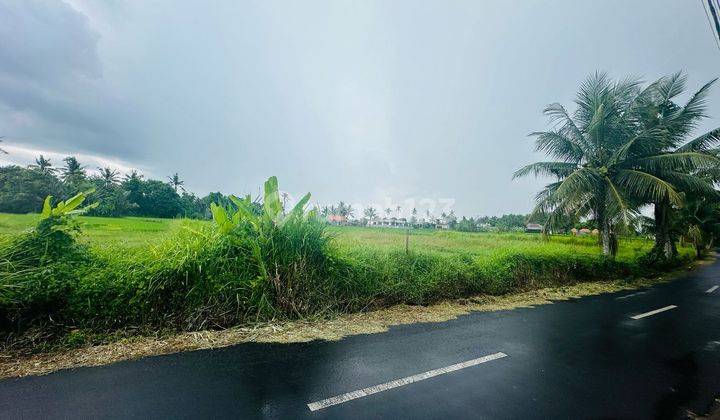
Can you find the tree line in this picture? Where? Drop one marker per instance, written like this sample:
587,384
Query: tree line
23,189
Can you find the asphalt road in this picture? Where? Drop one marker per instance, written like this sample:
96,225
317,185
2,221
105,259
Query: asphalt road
583,358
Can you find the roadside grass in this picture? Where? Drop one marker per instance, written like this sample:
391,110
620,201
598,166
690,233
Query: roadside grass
89,348
148,275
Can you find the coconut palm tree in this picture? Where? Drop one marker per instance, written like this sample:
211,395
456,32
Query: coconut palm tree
673,157
108,176
397,211
601,151
134,175
388,211
325,211
43,165
73,172
176,182
370,213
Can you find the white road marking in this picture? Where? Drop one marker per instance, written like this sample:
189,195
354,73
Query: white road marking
656,311
319,405
631,295
712,289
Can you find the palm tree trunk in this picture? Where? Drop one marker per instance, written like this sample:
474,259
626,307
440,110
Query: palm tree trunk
605,239
664,242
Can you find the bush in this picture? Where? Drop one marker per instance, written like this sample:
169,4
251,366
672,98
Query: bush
41,265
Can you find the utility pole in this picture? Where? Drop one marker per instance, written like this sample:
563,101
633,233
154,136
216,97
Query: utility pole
407,241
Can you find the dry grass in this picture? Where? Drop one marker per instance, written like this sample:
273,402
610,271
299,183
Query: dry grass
12,365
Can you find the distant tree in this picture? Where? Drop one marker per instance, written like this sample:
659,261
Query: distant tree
23,190
388,211
192,206
133,184
158,199
43,165
397,210
176,182
73,174
133,176
344,210
113,200
108,176
466,225
285,196
370,213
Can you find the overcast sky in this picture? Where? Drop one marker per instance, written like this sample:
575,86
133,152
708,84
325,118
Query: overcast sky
362,101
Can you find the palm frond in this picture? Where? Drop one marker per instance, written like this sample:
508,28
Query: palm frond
671,86
691,183
579,182
557,169
702,142
646,186
680,161
558,146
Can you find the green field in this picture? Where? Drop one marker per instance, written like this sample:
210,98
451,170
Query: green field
131,232
187,274
139,232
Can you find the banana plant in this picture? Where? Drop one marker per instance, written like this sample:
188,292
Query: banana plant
273,213
68,207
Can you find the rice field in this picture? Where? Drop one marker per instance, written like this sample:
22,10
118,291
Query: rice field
139,232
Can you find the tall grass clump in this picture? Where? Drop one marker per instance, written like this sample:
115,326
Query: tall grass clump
37,268
256,262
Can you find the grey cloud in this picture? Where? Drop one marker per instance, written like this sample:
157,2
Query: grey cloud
354,101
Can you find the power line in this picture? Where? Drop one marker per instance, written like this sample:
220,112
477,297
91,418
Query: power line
712,30
714,14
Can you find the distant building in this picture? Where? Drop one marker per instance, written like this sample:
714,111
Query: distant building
392,222
442,224
533,228
336,219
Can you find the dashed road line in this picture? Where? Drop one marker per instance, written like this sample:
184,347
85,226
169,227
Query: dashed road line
319,405
632,295
712,289
656,311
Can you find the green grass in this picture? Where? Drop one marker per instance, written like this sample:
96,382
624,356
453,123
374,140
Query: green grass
187,275
139,232
477,244
127,232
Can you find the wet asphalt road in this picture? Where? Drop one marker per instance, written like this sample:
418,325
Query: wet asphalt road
583,358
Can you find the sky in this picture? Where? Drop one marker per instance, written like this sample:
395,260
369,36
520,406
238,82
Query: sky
423,104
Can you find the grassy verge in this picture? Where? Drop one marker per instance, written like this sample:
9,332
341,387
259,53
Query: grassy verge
60,290
88,348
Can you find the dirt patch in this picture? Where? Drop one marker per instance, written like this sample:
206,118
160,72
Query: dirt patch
13,365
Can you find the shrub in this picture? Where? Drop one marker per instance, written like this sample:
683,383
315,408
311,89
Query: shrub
39,266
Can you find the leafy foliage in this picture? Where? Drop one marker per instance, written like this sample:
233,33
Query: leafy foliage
620,149
23,190
43,263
